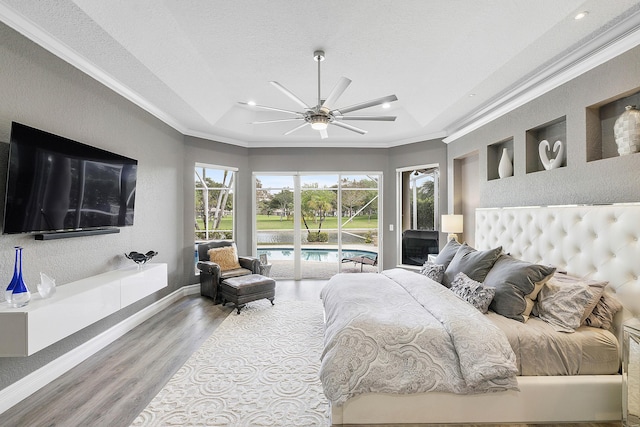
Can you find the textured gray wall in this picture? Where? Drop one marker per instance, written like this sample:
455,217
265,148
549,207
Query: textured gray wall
609,180
42,91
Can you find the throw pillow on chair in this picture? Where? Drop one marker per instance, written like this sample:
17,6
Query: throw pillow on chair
226,257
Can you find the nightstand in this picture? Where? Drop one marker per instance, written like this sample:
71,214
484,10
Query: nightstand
631,373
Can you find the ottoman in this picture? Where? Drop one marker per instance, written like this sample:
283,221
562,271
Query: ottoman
243,289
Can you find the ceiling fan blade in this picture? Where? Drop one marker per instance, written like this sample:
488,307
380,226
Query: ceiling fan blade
372,118
346,126
277,121
271,108
336,92
372,103
291,95
296,128
324,134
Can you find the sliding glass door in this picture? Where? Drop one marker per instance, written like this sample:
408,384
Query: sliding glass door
359,222
314,225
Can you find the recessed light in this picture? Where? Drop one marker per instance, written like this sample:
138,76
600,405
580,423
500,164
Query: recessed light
581,15
252,103
471,95
386,105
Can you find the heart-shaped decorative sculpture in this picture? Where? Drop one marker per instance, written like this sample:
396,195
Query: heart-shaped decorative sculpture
558,149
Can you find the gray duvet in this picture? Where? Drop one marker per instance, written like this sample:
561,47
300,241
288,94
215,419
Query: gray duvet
401,332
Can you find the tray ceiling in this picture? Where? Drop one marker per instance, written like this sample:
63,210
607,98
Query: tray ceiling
454,64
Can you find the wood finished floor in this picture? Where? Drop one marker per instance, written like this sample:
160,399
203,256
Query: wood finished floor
112,387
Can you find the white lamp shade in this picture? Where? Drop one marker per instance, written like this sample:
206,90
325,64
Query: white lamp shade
452,224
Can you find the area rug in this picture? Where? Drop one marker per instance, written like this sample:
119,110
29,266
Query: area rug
258,368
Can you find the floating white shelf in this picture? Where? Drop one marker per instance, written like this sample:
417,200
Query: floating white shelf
76,305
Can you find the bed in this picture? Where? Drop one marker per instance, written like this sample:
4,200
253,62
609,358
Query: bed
599,243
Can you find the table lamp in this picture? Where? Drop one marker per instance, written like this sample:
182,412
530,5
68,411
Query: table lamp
452,224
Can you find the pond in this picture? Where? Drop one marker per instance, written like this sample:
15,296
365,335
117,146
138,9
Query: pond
322,255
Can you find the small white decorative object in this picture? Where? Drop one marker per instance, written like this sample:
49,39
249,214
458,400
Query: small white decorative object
505,168
627,131
47,286
558,149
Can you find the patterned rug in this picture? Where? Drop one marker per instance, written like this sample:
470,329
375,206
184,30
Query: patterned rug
259,368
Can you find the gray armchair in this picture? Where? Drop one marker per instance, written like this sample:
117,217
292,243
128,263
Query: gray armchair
210,273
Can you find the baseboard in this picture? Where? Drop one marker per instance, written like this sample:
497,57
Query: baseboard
23,388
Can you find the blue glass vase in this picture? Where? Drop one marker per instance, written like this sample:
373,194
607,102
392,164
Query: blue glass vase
9,291
20,295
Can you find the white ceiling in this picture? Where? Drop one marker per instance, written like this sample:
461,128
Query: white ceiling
454,64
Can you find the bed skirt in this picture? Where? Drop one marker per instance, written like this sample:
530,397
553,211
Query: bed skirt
582,398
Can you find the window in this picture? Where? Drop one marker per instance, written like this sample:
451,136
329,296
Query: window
214,206
418,210
421,199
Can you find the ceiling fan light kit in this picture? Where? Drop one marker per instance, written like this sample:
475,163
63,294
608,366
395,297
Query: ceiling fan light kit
319,122
323,114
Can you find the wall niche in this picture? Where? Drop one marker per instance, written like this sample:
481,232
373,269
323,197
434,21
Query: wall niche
494,153
601,117
555,130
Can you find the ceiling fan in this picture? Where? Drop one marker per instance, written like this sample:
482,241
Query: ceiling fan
323,113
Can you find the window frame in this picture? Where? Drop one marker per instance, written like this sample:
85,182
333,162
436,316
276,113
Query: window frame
231,189
400,205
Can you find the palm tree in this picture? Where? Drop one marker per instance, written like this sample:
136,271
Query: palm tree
316,204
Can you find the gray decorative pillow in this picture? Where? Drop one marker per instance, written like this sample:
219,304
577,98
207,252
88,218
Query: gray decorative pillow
517,284
475,264
562,304
447,253
475,293
603,312
433,271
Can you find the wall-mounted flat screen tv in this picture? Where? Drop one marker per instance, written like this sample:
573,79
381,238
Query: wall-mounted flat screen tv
56,184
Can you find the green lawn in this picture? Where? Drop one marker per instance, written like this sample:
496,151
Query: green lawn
273,222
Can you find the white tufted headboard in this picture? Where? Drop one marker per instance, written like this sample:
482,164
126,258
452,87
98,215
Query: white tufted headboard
599,242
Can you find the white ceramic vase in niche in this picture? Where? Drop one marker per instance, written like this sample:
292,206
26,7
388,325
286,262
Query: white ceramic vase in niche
558,149
505,167
627,131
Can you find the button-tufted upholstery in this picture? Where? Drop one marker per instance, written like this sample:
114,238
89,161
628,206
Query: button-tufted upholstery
598,242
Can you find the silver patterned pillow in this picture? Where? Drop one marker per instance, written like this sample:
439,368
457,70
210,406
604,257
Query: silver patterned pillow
433,271
475,293
562,304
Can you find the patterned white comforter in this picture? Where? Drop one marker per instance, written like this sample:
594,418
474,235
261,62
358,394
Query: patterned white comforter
401,332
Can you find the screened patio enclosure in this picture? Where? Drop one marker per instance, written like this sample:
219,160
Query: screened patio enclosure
308,223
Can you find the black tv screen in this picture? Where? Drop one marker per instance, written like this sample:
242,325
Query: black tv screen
56,184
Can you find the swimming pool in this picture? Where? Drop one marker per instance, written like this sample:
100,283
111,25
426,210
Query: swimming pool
321,255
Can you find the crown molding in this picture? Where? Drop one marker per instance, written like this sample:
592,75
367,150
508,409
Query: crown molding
613,42
38,35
